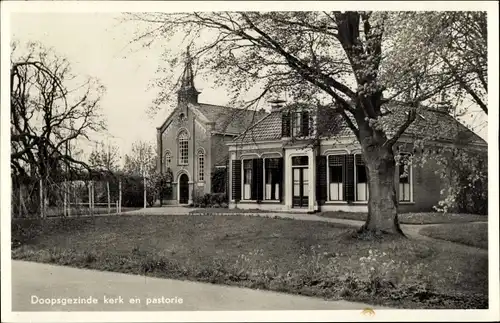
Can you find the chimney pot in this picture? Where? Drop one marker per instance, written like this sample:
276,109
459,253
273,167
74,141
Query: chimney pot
276,105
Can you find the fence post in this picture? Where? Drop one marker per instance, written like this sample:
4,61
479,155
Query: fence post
20,212
120,196
69,198
64,198
42,204
144,180
90,197
109,198
93,198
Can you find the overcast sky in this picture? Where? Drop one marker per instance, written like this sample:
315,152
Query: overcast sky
97,44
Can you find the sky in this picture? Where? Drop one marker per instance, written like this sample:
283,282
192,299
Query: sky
98,45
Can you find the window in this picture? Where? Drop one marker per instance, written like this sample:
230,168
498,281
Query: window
272,180
300,124
361,178
336,178
183,147
300,161
247,179
168,159
405,178
201,165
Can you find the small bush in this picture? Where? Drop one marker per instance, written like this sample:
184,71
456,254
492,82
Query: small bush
210,200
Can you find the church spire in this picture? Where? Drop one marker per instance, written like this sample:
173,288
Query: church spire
187,91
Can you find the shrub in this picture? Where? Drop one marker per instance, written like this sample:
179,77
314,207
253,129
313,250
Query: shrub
210,200
219,180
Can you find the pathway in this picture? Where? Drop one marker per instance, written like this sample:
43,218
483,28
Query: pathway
34,281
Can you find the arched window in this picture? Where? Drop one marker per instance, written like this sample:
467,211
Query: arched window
201,165
183,147
168,159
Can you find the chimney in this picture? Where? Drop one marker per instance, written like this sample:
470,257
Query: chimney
443,107
276,105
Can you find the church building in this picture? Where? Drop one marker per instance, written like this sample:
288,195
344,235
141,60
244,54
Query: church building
192,140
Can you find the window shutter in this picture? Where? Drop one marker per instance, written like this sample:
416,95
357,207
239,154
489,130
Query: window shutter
257,184
282,177
349,178
236,180
305,124
321,180
285,124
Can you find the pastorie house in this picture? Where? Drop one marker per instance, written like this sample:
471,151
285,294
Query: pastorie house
296,157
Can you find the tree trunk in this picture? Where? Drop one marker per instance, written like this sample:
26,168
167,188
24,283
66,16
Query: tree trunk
382,203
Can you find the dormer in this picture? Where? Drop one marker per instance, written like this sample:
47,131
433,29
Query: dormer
297,121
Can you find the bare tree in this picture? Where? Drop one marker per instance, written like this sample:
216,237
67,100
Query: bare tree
105,157
51,109
142,158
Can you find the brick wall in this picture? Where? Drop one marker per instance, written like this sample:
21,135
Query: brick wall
426,188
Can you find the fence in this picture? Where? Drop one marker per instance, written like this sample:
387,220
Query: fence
37,198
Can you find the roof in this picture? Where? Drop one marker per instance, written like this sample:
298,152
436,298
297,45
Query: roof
435,124
230,120
269,128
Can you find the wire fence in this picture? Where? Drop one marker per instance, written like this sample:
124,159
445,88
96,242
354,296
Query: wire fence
42,198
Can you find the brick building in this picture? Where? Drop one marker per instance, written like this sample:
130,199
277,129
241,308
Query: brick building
192,140
306,159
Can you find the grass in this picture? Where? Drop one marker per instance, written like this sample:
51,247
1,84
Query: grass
413,218
471,234
58,211
314,258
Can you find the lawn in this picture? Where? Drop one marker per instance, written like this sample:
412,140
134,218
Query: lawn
84,210
413,218
471,234
310,258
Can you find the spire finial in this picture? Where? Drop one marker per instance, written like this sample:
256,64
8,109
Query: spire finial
187,89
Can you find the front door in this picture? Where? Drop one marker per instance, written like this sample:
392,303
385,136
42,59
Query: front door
183,189
300,186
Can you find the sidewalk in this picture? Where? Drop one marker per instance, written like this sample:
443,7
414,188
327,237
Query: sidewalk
34,281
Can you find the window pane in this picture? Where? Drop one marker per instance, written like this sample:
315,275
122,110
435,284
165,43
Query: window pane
272,179
247,164
300,161
296,182
297,123
248,176
183,148
404,174
361,174
336,191
362,192
336,174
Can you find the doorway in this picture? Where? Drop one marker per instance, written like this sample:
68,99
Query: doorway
300,181
183,189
